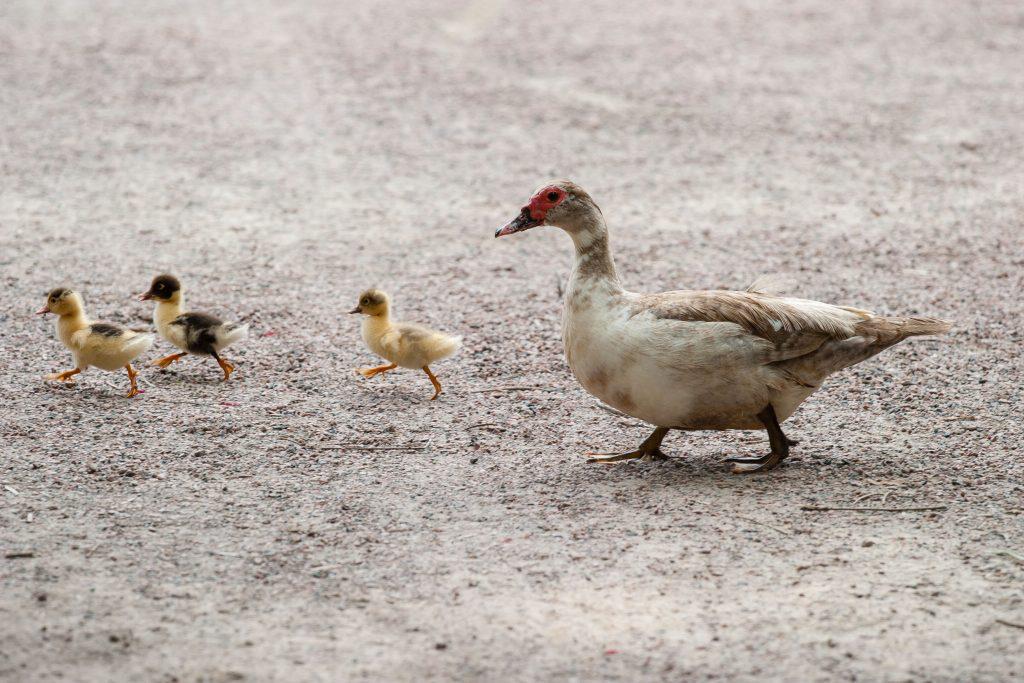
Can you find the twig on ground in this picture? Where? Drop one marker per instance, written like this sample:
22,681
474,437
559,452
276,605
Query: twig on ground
1012,555
613,411
773,528
19,555
1011,624
489,425
512,388
361,447
817,508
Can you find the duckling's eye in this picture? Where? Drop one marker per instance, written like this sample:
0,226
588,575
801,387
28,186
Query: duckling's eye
552,196
364,302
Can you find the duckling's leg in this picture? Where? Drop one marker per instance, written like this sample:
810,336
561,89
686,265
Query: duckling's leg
227,367
373,372
779,442
134,391
63,376
433,380
650,449
167,360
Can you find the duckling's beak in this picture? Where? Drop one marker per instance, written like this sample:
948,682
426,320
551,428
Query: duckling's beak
524,221
145,296
357,309
43,311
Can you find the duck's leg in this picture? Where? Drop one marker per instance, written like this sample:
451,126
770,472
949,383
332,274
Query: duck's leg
373,372
650,449
132,374
63,376
167,360
433,380
779,442
227,367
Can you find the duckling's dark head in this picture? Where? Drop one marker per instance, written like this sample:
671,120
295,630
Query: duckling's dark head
372,302
164,288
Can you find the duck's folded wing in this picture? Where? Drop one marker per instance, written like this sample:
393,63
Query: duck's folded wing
197,321
200,331
788,327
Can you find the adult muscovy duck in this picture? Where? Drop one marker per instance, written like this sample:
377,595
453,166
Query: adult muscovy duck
695,360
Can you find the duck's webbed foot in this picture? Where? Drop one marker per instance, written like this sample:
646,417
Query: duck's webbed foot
167,360
226,367
373,372
433,380
780,447
65,376
649,450
132,374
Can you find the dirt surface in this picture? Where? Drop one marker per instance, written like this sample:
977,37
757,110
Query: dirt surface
301,523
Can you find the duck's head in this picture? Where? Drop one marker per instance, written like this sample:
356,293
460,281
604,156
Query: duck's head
61,301
372,302
561,203
164,288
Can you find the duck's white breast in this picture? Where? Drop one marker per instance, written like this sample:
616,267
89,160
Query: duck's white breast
669,373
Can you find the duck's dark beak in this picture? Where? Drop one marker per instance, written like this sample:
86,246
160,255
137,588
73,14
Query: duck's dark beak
524,221
357,309
43,311
145,296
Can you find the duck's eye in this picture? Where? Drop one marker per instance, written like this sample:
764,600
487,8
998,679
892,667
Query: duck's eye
364,302
552,196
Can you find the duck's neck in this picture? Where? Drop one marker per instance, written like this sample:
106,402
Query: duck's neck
68,324
166,311
594,263
377,324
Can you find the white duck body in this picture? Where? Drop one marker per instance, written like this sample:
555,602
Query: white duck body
102,345
670,373
707,359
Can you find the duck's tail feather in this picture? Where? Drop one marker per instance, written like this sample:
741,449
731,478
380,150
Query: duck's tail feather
138,344
233,332
874,335
447,346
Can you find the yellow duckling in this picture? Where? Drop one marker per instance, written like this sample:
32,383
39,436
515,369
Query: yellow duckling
103,345
403,344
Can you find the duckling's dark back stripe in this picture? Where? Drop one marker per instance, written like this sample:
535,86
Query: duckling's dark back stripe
106,329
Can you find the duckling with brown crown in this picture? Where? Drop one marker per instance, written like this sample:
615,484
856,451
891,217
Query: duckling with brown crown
402,344
93,344
197,333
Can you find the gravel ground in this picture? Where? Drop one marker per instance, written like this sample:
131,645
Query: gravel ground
300,522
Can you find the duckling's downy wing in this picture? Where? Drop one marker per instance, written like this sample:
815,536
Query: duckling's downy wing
99,332
200,331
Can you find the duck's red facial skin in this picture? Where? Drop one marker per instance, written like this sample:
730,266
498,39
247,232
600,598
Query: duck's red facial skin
534,213
545,200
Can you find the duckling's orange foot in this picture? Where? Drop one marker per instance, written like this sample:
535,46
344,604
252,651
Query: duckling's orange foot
167,360
373,372
433,380
132,374
227,367
63,376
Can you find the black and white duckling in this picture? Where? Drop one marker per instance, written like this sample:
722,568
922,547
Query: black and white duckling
93,344
200,334
402,344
